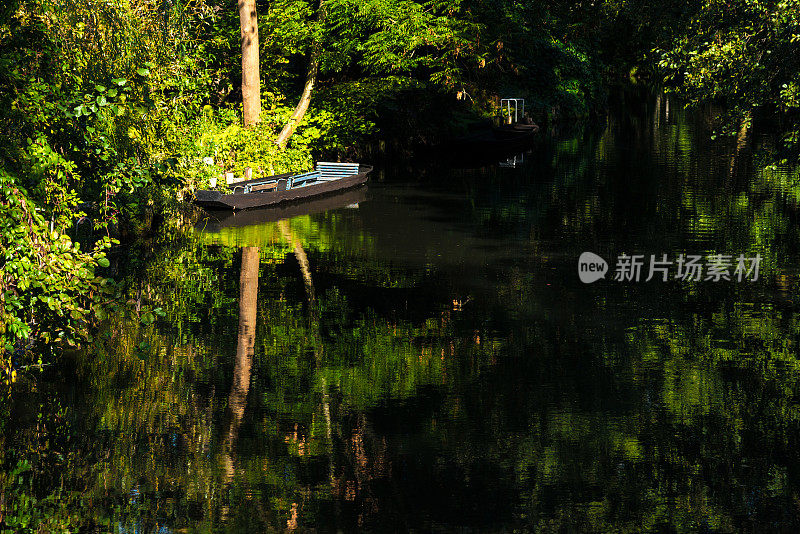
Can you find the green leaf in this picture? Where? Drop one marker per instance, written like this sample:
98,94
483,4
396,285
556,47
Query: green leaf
103,262
100,88
143,72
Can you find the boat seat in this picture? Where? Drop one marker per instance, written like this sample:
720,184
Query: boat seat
333,171
279,185
302,178
263,187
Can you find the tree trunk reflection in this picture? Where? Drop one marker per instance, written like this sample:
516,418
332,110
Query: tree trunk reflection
237,399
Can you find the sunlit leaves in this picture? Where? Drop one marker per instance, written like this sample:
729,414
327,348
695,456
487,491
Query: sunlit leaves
740,53
400,36
50,289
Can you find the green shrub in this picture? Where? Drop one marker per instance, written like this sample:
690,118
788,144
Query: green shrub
49,287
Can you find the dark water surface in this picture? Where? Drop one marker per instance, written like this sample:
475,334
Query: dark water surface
429,360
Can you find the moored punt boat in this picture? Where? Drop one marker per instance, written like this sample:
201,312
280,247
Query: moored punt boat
328,178
508,137
488,145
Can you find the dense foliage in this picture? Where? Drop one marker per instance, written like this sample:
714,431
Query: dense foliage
743,54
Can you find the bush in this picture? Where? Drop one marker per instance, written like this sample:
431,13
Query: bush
49,287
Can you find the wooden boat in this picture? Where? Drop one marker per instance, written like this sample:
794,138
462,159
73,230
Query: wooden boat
328,178
489,144
504,138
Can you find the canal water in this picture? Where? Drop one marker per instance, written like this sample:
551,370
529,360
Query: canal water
423,355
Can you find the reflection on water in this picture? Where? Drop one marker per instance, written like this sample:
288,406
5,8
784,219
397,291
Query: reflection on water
245,349
512,162
430,360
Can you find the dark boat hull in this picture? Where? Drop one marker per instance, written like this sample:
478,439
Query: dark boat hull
504,138
484,146
214,200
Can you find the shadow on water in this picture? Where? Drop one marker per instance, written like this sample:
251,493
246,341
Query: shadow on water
423,356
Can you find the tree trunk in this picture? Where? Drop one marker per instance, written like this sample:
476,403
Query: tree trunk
311,80
742,149
251,79
743,136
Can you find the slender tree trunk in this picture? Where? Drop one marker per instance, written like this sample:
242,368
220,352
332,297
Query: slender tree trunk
302,106
311,81
743,136
742,150
251,79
